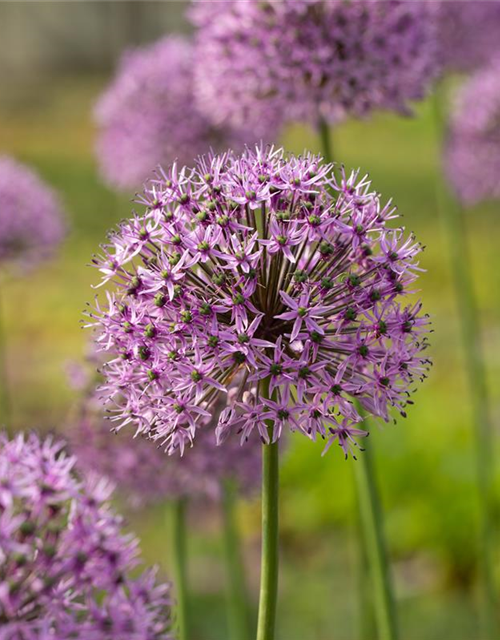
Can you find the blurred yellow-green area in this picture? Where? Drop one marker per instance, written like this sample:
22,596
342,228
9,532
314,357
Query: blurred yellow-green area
425,464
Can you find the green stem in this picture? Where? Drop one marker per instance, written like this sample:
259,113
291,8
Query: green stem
236,589
370,513
5,405
268,600
326,140
373,538
367,629
455,231
179,566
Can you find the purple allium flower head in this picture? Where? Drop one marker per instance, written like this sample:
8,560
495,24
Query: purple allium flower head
254,271
311,60
31,222
65,564
141,471
472,151
148,115
469,33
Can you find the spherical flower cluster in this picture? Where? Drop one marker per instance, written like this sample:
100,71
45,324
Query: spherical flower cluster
31,222
148,115
145,475
64,562
311,60
469,33
472,152
266,279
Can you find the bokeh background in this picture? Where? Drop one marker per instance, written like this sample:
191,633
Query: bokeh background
55,59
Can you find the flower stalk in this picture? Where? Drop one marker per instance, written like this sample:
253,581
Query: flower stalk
366,618
268,600
459,255
326,140
373,538
179,567
236,588
370,513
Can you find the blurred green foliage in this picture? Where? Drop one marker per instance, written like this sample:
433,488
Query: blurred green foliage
424,463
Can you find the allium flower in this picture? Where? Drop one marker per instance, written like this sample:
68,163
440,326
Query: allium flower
64,562
144,475
148,115
31,223
469,33
311,60
472,152
295,306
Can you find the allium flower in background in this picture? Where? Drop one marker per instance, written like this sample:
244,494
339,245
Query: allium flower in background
261,270
64,562
148,115
145,475
311,60
31,222
472,151
469,33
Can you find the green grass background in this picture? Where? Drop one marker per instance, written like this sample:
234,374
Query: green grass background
425,463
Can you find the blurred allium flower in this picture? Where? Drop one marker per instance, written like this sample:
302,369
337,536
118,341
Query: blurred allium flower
64,562
469,33
148,115
31,222
472,152
145,475
311,60
253,271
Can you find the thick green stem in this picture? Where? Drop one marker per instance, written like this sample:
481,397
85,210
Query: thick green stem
5,406
236,588
366,621
179,567
455,231
373,538
326,140
371,534
268,600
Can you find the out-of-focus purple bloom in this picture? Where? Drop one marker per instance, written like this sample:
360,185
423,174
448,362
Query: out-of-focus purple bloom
65,564
81,375
140,469
143,473
148,115
469,33
77,375
31,222
311,60
472,151
320,316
